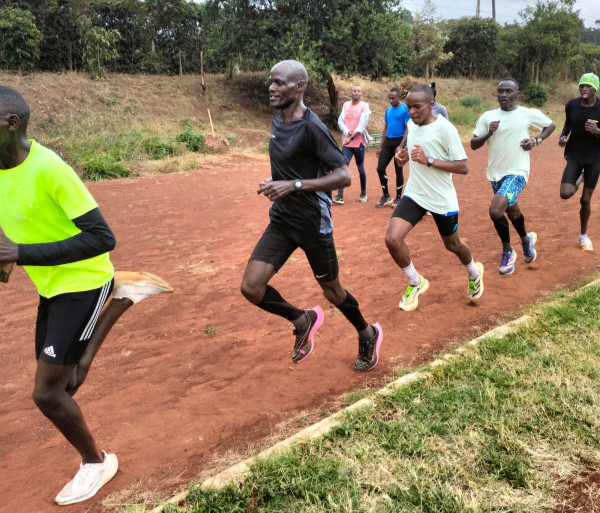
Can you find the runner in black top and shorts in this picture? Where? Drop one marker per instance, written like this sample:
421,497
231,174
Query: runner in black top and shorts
582,150
306,165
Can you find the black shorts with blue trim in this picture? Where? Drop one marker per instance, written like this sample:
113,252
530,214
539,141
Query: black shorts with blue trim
279,242
412,212
66,322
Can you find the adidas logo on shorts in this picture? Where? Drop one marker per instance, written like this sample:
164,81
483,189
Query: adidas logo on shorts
50,351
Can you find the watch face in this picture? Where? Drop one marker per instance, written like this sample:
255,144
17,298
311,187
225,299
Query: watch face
298,184
430,160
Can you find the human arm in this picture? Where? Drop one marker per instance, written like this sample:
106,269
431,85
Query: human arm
341,122
566,131
529,144
591,126
479,140
459,167
338,178
363,121
96,238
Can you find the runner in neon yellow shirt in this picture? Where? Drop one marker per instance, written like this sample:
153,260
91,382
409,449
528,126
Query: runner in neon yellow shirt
51,225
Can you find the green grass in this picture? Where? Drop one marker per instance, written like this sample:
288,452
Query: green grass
495,430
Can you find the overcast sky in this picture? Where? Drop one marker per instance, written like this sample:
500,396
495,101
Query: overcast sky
506,10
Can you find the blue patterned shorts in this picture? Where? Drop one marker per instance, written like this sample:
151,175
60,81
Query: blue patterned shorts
509,186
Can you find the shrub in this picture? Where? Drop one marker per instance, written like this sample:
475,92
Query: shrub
535,95
471,101
464,116
157,147
193,140
102,169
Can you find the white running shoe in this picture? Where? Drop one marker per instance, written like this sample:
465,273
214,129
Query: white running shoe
410,300
90,478
586,244
476,285
138,286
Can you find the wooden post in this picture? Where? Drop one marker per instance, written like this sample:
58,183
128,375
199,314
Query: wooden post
211,125
230,71
202,83
180,65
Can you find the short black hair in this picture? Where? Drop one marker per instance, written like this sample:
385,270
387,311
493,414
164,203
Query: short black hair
395,90
510,79
422,88
432,85
11,102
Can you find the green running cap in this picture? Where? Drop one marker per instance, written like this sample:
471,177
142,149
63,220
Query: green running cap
589,79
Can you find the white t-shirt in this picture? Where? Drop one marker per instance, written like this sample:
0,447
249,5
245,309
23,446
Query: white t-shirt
429,187
505,155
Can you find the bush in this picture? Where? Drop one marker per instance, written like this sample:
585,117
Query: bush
464,116
102,169
193,141
472,101
158,147
535,95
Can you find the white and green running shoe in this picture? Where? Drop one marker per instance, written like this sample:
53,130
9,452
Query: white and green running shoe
410,300
476,285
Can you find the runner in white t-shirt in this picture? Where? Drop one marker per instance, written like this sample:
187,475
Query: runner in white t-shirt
506,131
435,153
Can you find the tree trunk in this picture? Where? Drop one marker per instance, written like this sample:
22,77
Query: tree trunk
180,65
230,69
532,71
537,74
426,71
99,67
202,83
333,95
153,46
70,54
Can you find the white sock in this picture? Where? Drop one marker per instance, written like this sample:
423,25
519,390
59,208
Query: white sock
583,236
414,278
472,270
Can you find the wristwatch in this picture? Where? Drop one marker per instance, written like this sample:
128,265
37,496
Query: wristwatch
430,161
538,141
298,185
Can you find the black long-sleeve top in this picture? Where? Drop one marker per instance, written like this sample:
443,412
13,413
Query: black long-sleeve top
96,238
582,145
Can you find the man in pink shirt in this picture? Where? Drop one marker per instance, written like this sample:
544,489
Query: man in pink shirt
353,122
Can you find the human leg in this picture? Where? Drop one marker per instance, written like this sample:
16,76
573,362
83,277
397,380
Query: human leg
571,174
348,153
591,173
359,156
385,156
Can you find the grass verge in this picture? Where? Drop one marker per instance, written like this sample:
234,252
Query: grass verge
500,429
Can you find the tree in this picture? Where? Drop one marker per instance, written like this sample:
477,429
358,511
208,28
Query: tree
428,41
98,47
473,43
19,39
552,34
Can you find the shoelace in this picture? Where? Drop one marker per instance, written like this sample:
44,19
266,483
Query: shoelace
409,290
84,473
506,257
473,285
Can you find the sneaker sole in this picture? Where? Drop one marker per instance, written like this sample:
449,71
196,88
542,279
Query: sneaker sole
416,303
379,341
96,488
362,200
479,266
533,236
133,278
337,202
385,204
313,331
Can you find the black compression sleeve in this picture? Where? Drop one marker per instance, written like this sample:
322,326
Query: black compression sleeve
96,238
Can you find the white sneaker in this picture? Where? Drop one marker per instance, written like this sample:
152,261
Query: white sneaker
90,478
138,286
410,300
586,244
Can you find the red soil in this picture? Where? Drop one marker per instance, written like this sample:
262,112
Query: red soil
166,396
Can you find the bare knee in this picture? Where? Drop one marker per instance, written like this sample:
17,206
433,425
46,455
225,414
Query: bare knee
566,193
253,291
453,246
47,400
496,212
393,243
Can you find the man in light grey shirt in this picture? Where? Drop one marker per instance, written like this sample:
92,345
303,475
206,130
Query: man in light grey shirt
438,108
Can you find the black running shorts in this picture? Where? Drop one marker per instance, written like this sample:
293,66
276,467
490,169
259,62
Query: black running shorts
65,324
279,242
412,212
591,171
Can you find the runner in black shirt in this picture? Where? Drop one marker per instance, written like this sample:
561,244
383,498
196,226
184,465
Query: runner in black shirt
306,165
582,150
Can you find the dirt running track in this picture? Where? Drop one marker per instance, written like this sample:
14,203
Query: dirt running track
166,396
